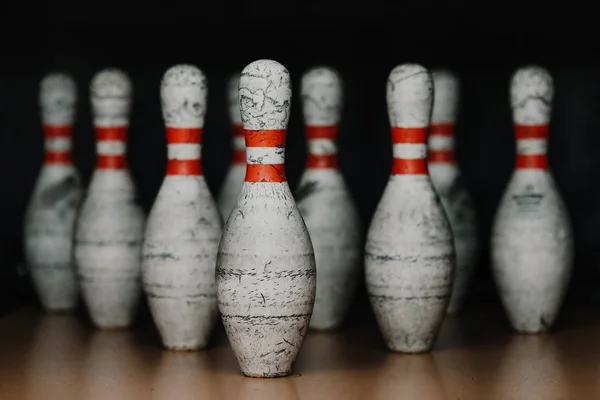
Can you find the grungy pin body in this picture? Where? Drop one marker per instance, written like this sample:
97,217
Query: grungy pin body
109,232
234,178
449,185
325,203
184,226
409,256
52,210
532,240
265,266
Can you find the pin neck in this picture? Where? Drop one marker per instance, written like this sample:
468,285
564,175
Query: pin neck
322,149
57,143
410,151
441,143
184,151
532,142
111,146
265,155
239,145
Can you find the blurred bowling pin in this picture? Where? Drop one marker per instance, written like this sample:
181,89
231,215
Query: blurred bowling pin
184,226
266,264
447,180
110,228
50,216
325,203
237,170
532,243
410,258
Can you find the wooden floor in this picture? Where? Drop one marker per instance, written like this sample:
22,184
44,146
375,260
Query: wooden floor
61,357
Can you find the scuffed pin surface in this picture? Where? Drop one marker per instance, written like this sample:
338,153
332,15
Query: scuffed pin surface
232,184
111,98
327,208
456,199
183,97
409,255
109,231
183,230
52,209
532,242
265,266
322,95
58,99
265,93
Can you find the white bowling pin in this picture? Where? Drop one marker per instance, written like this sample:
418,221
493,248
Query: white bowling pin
410,257
325,203
265,265
184,226
448,182
111,224
52,210
237,170
532,243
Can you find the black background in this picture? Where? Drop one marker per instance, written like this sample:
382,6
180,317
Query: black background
363,42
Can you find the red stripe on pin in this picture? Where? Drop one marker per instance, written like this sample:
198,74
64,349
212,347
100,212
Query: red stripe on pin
322,132
265,173
58,131
239,157
117,133
184,135
409,135
531,131
238,130
402,166
442,129
441,156
532,161
58,157
322,161
111,162
184,167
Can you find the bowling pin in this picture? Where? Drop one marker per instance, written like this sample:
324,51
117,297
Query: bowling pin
237,170
265,265
448,182
51,213
325,203
532,242
409,257
184,226
111,224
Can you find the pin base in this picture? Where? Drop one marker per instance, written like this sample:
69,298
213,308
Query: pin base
249,374
420,350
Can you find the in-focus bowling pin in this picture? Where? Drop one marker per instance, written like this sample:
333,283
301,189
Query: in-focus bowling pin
237,170
184,226
325,203
265,265
410,257
109,230
447,180
52,210
532,243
